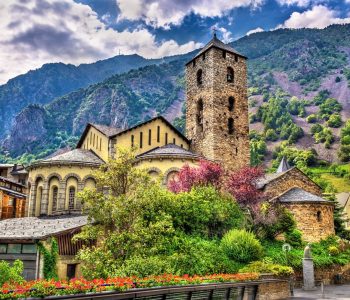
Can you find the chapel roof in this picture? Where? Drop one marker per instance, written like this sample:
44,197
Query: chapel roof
216,43
39,228
75,156
283,166
299,195
169,150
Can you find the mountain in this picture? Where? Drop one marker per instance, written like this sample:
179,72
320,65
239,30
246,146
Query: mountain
53,80
301,63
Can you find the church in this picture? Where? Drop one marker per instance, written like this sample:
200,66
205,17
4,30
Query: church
217,129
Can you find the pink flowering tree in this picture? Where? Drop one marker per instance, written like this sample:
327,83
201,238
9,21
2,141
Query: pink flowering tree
207,173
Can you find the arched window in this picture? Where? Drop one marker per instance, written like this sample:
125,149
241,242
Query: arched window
199,77
200,114
71,198
231,103
319,216
54,198
230,74
230,125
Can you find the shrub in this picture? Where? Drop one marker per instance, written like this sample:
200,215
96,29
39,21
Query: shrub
271,135
311,118
11,274
266,266
294,238
334,121
333,250
241,246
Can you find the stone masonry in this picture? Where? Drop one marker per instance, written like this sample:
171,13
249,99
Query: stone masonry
208,129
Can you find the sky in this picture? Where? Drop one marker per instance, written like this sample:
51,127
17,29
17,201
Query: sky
35,32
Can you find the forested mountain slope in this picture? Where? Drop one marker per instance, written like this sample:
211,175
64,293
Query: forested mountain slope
305,63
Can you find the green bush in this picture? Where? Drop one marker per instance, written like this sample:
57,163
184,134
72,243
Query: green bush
271,135
11,274
241,246
311,118
266,266
334,121
294,238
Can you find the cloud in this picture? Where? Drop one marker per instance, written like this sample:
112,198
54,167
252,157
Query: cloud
164,13
34,32
302,3
319,16
258,29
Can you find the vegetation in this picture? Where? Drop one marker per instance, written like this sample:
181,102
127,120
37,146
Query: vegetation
50,259
11,274
258,148
266,266
344,151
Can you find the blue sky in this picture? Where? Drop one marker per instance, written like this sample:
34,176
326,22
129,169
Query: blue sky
35,32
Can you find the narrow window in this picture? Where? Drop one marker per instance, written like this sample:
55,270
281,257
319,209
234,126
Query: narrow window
231,103
203,56
236,58
199,77
230,125
182,145
230,74
194,63
224,54
174,141
149,137
236,151
200,114
319,216
132,140
71,197
166,138
54,198
100,144
141,138
93,141
158,134
90,138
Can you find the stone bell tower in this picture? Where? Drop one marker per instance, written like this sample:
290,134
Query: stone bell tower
217,105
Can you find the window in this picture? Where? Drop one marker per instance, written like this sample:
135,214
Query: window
236,58
141,138
224,54
90,138
3,248
28,248
230,74
174,141
71,269
158,134
100,144
14,248
132,140
319,216
93,141
166,138
194,63
199,77
149,137
54,198
71,198
203,56
200,114
231,103
182,146
230,125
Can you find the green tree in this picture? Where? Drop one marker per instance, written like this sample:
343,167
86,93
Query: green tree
334,121
11,274
311,118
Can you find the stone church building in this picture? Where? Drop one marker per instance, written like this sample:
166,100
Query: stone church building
217,128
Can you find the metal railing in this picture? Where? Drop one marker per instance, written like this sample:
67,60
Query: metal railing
212,291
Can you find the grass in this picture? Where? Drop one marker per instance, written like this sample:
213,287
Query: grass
340,183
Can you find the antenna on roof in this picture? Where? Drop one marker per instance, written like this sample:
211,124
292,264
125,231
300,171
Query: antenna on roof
214,30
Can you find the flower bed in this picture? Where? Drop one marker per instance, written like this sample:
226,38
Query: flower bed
43,288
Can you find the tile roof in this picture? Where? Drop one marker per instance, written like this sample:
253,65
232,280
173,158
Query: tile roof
169,150
73,156
215,42
299,195
39,228
107,130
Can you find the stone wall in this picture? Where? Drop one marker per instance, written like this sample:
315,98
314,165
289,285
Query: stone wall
208,130
314,220
288,180
326,275
270,290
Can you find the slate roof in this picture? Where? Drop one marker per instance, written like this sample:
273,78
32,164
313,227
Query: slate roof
284,166
169,150
300,195
13,193
107,130
34,228
5,179
215,42
268,178
75,156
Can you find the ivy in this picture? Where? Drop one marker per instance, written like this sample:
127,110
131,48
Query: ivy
50,259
